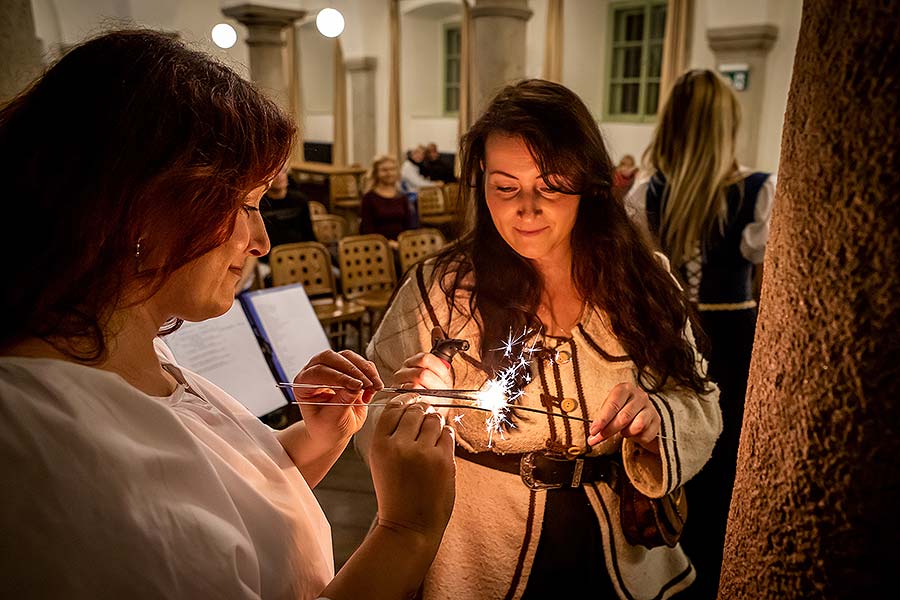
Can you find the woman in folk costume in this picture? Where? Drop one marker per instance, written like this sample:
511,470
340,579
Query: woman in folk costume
559,295
711,218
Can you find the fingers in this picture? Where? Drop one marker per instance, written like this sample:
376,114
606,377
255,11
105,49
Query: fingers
424,370
432,428
390,418
628,411
341,370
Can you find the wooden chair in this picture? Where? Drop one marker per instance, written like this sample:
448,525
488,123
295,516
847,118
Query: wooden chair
345,198
309,263
329,228
415,244
432,207
451,196
316,209
367,273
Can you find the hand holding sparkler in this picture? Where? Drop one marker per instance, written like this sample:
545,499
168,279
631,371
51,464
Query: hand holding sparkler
627,410
340,378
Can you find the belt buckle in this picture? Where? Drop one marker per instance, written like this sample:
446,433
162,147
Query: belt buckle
526,471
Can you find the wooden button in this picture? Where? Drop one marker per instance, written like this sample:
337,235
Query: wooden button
562,357
568,405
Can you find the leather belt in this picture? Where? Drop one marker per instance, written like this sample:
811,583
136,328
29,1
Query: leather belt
541,471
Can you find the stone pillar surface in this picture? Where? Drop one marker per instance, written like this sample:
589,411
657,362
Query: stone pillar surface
362,91
749,45
266,42
498,53
20,50
814,512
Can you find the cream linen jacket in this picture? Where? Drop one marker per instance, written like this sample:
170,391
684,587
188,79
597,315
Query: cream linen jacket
490,543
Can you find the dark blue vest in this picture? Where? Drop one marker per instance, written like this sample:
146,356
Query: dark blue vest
726,275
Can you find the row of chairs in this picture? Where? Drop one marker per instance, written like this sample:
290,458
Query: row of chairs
368,277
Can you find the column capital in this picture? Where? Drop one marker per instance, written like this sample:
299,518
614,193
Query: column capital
257,14
501,9
361,63
747,38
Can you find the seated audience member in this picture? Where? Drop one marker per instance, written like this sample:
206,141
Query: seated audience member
435,166
411,171
623,176
385,209
126,475
286,212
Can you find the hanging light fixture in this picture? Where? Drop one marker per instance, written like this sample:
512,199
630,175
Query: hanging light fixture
224,35
330,22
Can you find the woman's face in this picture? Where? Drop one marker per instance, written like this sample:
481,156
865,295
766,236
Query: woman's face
533,219
386,174
204,288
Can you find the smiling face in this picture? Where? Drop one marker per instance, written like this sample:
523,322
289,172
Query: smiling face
204,288
386,173
530,216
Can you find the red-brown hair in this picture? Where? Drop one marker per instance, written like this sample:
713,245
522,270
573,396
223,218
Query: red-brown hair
130,138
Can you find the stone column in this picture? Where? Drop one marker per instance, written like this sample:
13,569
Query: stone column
748,45
498,52
266,40
814,512
19,48
362,91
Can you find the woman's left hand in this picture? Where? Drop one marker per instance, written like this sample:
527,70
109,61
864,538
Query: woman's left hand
627,410
355,381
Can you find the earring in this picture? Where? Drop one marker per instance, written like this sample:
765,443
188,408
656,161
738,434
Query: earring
137,249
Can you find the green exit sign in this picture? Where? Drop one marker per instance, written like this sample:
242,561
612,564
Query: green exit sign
737,74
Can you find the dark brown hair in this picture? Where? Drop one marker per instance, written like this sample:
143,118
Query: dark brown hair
130,138
613,268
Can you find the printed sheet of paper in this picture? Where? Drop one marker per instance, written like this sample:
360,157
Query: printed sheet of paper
224,350
285,317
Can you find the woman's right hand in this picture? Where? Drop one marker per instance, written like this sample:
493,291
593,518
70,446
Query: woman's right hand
413,469
424,370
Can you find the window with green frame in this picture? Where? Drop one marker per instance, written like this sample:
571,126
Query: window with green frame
452,46
635,59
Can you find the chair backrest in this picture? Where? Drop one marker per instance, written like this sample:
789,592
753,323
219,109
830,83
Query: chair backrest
308,263
343,189
329,228
431,201
416,244
451,196
316,208
367,264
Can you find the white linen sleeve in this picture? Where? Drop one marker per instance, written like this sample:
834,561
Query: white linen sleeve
410,174
756,234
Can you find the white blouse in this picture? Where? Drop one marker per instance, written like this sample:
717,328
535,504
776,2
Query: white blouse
755,234
111,493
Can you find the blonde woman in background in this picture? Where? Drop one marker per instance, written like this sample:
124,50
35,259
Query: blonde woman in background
711,217
385,209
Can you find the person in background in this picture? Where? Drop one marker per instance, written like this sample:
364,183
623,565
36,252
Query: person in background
411,171
286,212
556,292
711,218
623,176
124,474
385,209
435,166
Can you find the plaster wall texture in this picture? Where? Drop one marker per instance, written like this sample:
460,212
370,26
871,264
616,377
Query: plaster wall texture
814,511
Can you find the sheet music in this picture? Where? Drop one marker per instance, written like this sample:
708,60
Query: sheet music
288,321
224,350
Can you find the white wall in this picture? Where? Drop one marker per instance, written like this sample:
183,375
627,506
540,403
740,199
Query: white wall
61,23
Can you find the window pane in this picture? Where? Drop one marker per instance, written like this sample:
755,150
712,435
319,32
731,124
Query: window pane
453,41
453,71
630,95
634,27
615,98
658,22
652,100
629,25
632,62
451,99
654,66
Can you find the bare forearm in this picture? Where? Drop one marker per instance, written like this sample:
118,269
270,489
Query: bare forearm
312,459
389,565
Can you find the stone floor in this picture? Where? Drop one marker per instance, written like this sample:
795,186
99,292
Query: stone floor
348,499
